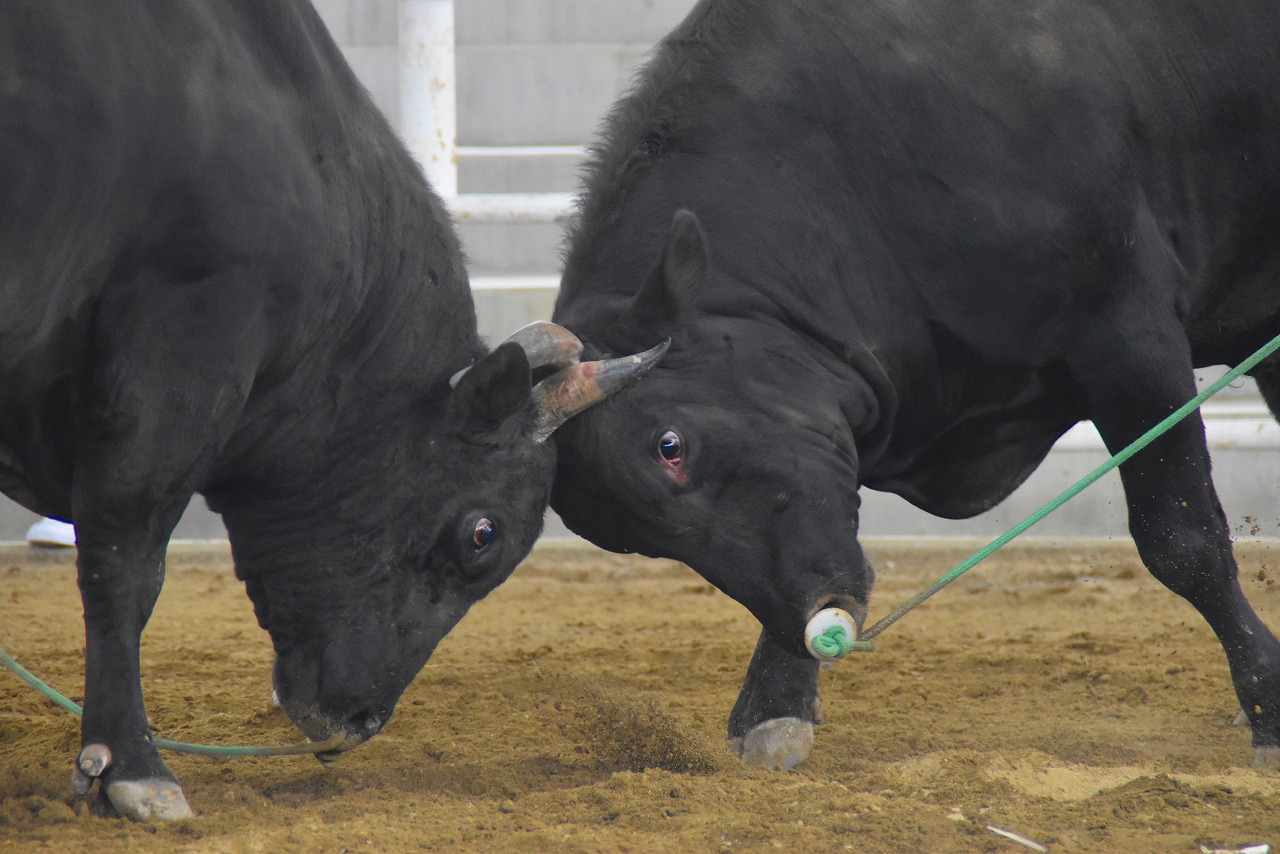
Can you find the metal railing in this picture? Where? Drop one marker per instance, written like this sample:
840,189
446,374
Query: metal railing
429,122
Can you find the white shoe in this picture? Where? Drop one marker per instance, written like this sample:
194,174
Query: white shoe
50,533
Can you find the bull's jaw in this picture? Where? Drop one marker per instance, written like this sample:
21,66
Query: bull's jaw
341,735
351,740
295,695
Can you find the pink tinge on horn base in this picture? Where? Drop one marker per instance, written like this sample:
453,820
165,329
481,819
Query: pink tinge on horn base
566,393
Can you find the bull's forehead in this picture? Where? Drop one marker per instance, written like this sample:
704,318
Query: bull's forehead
504,478
727,394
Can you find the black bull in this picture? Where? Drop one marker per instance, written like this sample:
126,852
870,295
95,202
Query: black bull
929,238
221,273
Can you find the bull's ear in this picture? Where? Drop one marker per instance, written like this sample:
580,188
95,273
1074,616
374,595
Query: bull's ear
494,389
664,300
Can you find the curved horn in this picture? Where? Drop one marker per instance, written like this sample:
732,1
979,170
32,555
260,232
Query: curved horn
567,392
545,344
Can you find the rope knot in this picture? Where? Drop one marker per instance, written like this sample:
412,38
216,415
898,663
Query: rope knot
833,643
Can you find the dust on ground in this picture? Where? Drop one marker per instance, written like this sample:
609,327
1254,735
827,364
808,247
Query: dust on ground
1058,692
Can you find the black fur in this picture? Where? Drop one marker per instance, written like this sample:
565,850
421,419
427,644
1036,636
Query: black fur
940,233
221,273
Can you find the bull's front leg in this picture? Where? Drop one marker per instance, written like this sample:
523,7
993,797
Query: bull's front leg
119,585
128,495
771,724
175,360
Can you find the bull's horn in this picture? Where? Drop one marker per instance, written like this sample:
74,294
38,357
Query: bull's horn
567,392
545,344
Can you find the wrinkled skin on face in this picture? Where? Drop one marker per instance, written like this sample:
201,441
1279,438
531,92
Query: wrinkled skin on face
735,456
419,525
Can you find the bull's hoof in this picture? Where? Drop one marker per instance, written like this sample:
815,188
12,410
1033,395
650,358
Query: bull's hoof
779,744
1266,757
146,800
81,782
1241,719
90,764
93,760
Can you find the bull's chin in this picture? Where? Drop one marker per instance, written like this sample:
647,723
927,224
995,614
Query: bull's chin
349,740
338,741
339,737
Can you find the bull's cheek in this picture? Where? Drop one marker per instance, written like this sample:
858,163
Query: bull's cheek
426,631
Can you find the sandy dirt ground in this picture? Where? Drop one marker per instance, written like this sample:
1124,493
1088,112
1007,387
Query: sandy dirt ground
1055,691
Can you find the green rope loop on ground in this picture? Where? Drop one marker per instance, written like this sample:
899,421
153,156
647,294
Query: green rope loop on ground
177,746
1070,492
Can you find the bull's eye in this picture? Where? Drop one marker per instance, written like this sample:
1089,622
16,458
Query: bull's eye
671,447
484,532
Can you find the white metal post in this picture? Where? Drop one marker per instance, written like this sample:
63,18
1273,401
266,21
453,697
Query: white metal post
429,121
428,90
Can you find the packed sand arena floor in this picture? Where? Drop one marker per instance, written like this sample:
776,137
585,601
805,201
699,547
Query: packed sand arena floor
1056,691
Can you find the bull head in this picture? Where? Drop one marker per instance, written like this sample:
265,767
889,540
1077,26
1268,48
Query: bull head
431,519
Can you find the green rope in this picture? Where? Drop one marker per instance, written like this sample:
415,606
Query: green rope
177,746
26,676
1133,448
833,643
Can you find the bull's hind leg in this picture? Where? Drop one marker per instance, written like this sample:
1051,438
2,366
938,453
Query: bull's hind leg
159,403
1175,518
772,722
